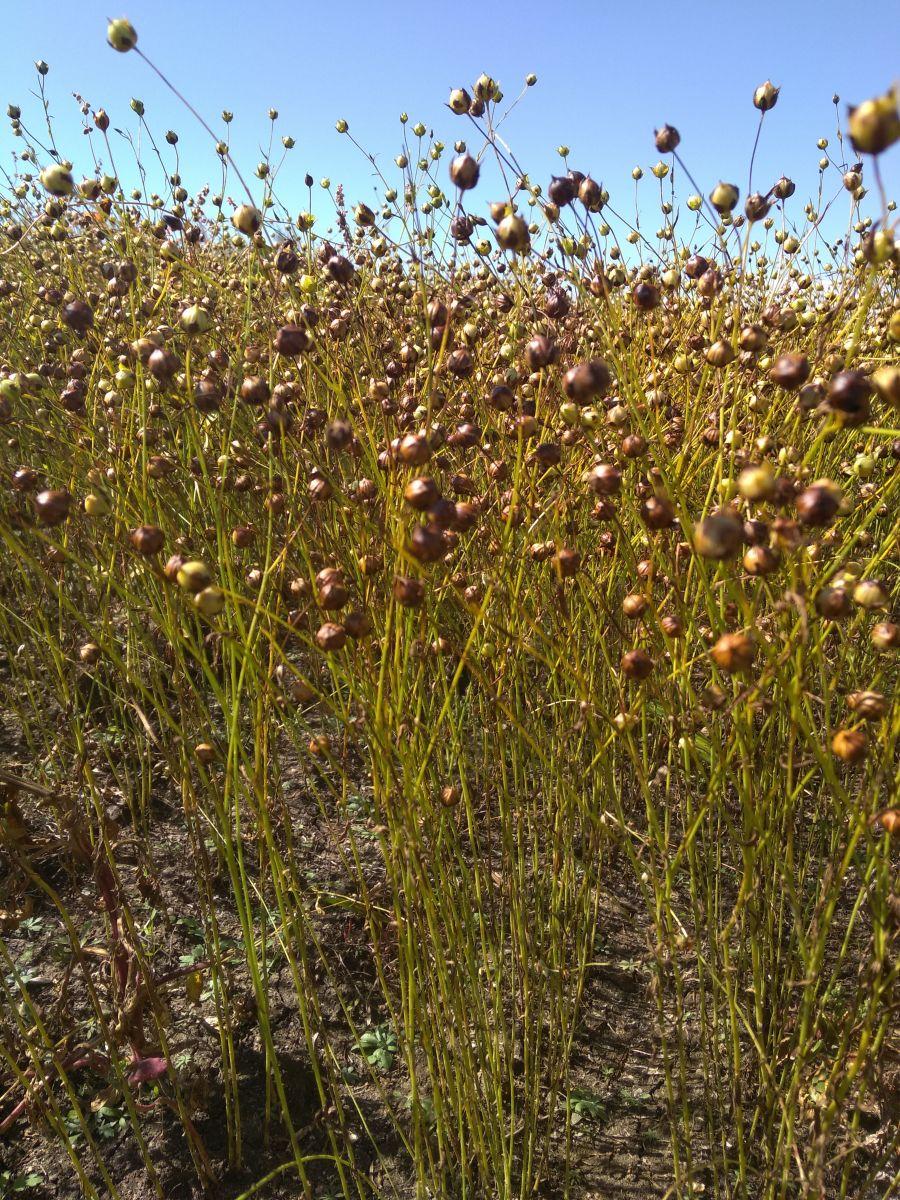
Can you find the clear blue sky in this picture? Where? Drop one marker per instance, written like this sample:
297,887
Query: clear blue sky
607,74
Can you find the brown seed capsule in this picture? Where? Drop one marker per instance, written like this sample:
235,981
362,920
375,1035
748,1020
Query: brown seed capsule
330,637
753,338
421,493
242,536
719,536
587,381
819,503
657,512
407,591
52,506
756,533
590,194
340,269
291,340
672,627
540,352
451,795
541,551
24,479
357,624
567,562
871,706
90,654
634,606
162,364
604,480
848,394
562,190
734,652
464,172
710,283
255,390
369,565
286,259
426,544
78,315
147,539
414,449
442,513
333,595
667,139
786,534
557,304
547,454
761,560
889,820
849,745
501,397
790,371
696,266
756,207
320,490
833,603
645,297
720,354
885,635
636,664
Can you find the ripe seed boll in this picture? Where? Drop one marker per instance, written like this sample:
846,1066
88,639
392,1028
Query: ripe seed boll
637,665
765,97
871,706
464,172
885,635
819,503
849,745
331,637
147,539
734,652
667,139
52,506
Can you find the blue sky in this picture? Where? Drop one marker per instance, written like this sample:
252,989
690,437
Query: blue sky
607,75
